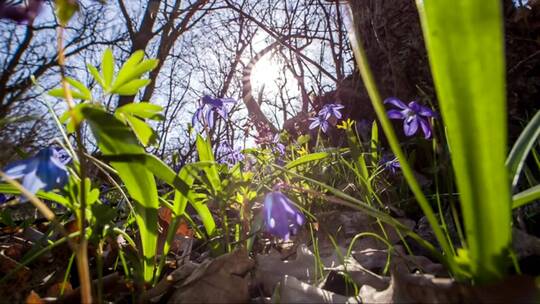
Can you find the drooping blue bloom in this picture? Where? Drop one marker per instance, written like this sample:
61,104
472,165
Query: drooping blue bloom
413,115
3,198
281,217
229,155
319,121
43,171
20,13
205,114
332,109
278,147
390,162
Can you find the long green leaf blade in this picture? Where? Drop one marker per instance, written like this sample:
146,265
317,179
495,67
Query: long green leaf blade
116,138
522,147
464,39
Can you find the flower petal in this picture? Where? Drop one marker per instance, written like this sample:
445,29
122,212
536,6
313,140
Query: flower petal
426,128
324,126
315,123
32,182
410,126
426,112
395,114
396,102
19,168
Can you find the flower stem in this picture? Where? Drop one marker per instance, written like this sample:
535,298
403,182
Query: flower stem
82,248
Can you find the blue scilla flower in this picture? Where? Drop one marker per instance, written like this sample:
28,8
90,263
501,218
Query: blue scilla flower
205,114
229,155
320,122
413,115
278,147
19,13
390,163
332,109
281,217
45,171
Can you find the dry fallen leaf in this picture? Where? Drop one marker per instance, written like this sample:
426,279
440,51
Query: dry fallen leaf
291,290
33,298
415,288
218,281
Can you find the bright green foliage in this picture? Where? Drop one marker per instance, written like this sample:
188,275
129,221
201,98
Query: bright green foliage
466,50
82,91
204,149
133,114
128,81
65,9
523,145
115,138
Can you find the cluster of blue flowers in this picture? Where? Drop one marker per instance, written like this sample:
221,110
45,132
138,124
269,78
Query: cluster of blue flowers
328,111
229,155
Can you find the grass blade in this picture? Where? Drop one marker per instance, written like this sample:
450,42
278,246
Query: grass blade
465,45
522,147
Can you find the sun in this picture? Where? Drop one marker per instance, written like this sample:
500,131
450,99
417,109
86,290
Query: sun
270,74
266,72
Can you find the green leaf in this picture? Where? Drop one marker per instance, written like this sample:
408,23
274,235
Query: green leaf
95,73
73,118
144,132
133,68
180,182
144,110
65,9
526,197
204,149
50,196
465,44
307,159
107,67
82,91
115,138
374,143
523,145
132,87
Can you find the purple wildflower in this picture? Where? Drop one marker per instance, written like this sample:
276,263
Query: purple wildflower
19,13
390,162
205,114
413,115
228,155
44,171
3,198
281,216
278,147
332,109
319,121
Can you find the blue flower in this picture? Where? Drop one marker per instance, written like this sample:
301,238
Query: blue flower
281,217
278,147
332,109
44,171
228,155
19,13
390,163
413,115
205,114
319,121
